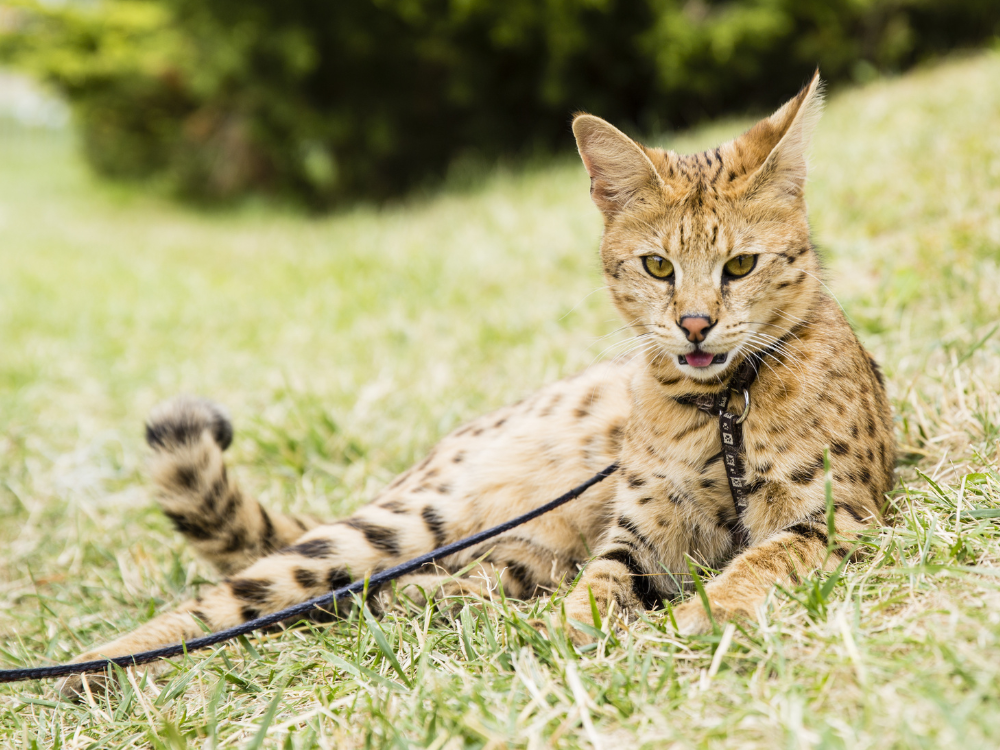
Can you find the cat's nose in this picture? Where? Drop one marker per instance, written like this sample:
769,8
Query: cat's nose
696,327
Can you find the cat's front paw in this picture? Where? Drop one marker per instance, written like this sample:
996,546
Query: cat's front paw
692,619
72,686
573,634
75,687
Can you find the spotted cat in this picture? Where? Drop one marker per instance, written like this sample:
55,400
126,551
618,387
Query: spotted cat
708,259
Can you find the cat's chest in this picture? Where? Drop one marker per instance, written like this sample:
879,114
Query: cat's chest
678,453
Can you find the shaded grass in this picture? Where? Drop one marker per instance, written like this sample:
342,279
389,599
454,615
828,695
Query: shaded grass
346,346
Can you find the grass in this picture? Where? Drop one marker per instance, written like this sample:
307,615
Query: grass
345,346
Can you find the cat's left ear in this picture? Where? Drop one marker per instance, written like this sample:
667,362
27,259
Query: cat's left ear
768,162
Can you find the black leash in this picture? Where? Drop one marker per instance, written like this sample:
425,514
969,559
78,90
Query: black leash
325,601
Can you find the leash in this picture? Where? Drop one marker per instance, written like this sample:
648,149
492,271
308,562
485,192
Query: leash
731,432
324,601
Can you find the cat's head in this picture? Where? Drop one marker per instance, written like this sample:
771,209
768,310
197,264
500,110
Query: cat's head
707,255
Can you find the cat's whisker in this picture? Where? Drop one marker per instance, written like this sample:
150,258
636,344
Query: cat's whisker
823,346
787,330
764,362
632,344
599,389
761,323
630,341
585,298
796,322
777,345
788,316
659,358
783,386
612,333
766,335
648,346
830,292
651,362
625,340
645,368
620,328
771,339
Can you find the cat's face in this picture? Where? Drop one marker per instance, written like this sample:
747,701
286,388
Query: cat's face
707,256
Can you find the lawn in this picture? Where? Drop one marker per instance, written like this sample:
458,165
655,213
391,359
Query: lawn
344,346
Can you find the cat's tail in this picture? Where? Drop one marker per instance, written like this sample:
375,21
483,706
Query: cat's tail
227,528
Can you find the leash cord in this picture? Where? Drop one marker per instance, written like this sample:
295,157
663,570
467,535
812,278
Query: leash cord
326,600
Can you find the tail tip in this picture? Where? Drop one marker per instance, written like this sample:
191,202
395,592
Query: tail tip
183,419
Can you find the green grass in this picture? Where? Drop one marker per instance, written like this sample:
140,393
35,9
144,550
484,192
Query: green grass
345,346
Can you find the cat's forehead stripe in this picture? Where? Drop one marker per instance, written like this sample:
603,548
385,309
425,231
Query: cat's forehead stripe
694,227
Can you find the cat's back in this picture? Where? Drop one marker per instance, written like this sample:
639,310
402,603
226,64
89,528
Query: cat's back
513,459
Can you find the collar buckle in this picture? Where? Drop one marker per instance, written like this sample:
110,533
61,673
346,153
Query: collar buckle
746,406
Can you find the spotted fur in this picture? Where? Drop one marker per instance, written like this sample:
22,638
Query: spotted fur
670,503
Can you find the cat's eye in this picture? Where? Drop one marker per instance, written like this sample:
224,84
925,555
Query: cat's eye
741,265
657,266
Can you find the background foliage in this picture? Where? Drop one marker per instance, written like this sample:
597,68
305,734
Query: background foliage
325,100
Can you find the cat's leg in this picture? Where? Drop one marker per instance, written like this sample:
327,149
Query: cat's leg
226,527
379,536
333,555
644,560
523,567
787,555
641,561
452,588
323,559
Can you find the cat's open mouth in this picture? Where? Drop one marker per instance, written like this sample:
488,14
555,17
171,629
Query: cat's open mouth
698,358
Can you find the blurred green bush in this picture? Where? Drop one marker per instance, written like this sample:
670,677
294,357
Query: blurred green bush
329,100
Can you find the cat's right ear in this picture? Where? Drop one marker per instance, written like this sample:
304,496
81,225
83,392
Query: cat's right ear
621,174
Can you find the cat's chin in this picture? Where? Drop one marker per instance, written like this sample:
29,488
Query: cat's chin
708,373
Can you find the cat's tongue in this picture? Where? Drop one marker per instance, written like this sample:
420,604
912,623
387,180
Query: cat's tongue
699,359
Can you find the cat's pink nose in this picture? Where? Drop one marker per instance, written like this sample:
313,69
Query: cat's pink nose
696,327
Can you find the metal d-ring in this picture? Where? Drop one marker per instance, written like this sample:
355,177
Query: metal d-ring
746,406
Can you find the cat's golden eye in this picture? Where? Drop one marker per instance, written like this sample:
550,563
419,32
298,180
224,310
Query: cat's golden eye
658,267
741,265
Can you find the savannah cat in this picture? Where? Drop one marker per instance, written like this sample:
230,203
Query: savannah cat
708,259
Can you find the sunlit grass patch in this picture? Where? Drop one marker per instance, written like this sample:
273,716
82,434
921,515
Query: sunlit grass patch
346,345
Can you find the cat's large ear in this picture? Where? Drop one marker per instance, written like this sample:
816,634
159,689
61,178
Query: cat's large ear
621,173
769,160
